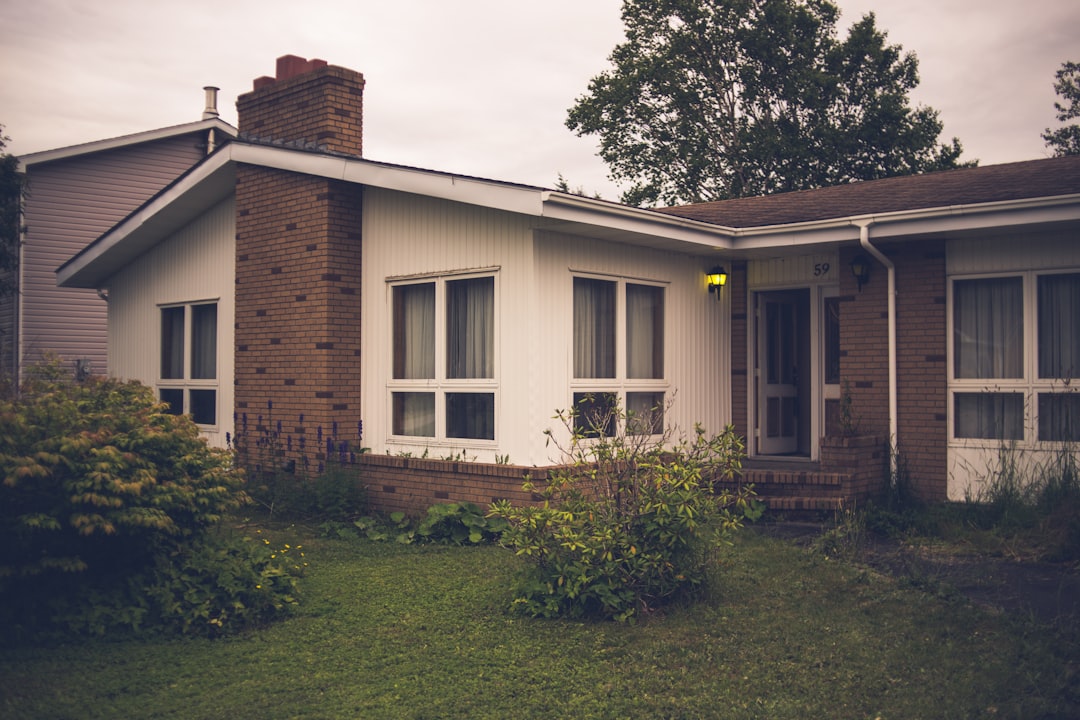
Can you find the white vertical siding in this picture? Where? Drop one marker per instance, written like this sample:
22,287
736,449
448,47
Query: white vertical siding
697,348
1012,253
194,264
70,203
406,235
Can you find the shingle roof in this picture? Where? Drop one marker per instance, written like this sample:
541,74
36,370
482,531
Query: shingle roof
966,186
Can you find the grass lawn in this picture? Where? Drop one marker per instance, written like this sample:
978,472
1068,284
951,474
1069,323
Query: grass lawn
389,631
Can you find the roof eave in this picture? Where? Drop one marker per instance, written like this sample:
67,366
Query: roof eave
71,151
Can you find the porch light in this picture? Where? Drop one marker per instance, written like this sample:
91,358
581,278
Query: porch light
860,268
717,278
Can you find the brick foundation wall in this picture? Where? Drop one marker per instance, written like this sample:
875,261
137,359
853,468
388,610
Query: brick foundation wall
412,485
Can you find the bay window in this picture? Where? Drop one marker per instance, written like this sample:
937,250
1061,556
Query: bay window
188,368
443,357
1015,352
618,355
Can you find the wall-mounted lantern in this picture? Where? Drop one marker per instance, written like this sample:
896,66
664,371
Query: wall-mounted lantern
716,278
860,268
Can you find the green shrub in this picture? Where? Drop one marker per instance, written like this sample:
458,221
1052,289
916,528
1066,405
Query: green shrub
106,499
629,524
460,524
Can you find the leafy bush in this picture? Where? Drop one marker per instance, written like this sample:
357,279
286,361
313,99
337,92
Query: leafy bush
630,523
106,500
452,523
459,524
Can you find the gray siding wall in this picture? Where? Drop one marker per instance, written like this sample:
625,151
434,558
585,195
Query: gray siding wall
70,203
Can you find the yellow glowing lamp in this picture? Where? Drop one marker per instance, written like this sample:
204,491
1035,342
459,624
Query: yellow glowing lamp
716,278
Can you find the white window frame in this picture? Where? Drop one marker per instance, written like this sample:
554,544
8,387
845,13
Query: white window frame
186,383
441,385
1030,385
621,385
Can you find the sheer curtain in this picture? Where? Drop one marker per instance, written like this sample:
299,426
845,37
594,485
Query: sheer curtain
172,343
414,332
204,342
988,328
470,328
594,328
644,331
1059,326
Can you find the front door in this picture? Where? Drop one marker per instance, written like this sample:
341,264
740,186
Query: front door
782,370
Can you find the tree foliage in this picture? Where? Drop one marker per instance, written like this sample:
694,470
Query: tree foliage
716,99
11,193
1066,140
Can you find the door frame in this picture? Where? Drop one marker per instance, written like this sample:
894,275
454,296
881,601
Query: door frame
816,393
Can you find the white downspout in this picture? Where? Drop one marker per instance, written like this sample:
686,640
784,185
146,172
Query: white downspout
864,240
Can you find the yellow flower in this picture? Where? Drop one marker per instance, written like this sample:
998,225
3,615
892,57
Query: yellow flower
258,587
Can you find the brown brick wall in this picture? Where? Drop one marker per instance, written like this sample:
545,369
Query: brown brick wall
321,108
412,485
297,303
922,391
921,356
864,344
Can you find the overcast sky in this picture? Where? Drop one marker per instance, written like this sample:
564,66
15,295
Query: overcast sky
478,87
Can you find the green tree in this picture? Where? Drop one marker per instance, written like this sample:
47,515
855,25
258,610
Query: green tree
716,99
1066,140
11,192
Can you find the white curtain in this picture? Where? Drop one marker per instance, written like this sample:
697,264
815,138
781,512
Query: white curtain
414,414
594,328
172,343
988,328
414,332
1059,326
996,416
644,331
204,342
470,328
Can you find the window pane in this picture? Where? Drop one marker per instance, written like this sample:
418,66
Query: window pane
594,328
470,415
414,332
470,328
1059,416
832,341
988,328
594,414
204,342
174,397
414,414
1059,326
644,331
645,413
203,406
172,343
994,416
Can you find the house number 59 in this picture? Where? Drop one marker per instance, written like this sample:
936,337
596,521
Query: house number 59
821,269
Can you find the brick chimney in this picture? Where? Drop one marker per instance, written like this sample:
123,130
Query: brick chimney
298,253
307,104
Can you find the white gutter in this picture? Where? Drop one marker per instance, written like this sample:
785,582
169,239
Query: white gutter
864,240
